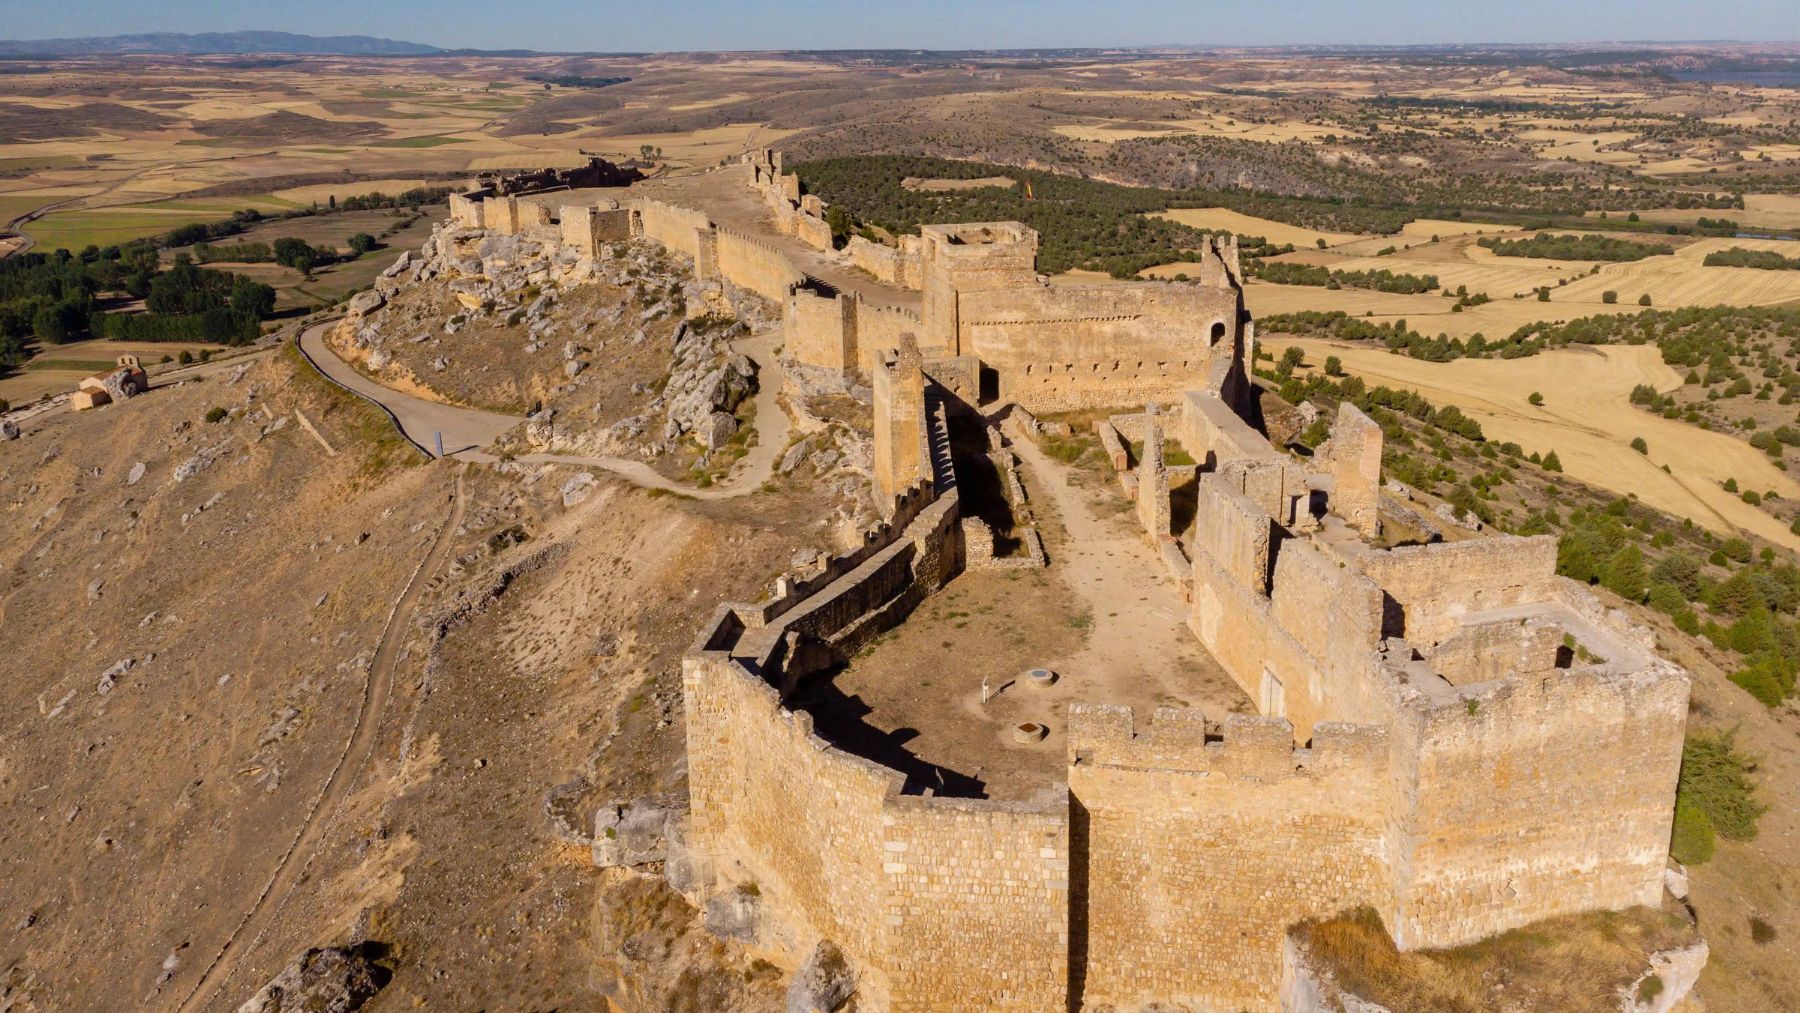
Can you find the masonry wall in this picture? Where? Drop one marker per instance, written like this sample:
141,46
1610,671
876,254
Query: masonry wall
677,228
977,903
776,806
756,266
879,330
1200,853
1436,585
466,208
819,329
1539,796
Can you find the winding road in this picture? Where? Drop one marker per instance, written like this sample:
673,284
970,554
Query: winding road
299,855
466,431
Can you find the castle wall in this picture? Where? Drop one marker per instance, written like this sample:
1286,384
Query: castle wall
756,266
1057,348
1437,584
677,228
880,330
466,208
895,266
1510,822
819,329
977,903
587,227
1200,854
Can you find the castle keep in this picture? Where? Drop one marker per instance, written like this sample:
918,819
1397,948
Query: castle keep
1448,733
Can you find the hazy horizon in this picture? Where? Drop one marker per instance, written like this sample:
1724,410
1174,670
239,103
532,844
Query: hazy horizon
718,25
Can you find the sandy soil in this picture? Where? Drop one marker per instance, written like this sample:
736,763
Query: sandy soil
1588,419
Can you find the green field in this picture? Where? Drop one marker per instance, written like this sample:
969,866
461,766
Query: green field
14,205
429,141
75,230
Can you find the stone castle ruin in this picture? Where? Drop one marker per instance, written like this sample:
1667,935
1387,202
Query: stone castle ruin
1447,733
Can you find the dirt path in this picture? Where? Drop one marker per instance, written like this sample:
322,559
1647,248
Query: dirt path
1139,635
466,430
376,690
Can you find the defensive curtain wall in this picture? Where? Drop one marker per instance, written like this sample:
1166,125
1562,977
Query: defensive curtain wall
1045,347
1449,733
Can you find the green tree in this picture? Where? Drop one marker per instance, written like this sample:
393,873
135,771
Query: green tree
1552,462
361,243
1535,399
1639,445
1625,575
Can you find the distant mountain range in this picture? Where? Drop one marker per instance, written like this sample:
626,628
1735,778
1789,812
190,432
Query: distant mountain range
206,43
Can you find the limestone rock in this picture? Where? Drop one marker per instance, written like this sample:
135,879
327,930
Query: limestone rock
577,488
365,303
573,368
734,914
136,473
327,980
379,360
399,265
824,983
717,430
632,833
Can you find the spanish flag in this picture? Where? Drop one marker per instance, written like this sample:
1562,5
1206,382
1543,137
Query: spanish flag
1028,194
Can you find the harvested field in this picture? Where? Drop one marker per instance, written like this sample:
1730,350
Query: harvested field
1588,419
1221,219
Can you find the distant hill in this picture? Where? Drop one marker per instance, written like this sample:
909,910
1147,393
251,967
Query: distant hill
204,43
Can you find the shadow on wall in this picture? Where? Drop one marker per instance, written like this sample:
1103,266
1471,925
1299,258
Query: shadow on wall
842,720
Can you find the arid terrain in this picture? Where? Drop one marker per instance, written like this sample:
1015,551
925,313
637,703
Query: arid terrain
277,679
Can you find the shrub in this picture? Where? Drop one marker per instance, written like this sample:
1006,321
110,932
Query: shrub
1552,462
1535,398
216,414
1692,840
1644,300
1715,780
185,358
1640,446
1609,297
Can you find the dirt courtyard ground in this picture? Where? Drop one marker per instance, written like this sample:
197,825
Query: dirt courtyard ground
1103,616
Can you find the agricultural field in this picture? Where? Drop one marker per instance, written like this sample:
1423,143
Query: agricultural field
56,369
1588,419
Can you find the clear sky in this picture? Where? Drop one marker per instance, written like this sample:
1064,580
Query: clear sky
661,25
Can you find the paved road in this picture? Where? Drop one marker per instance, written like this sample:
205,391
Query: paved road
299,855
465,430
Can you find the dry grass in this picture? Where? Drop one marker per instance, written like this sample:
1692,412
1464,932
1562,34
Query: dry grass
1577,964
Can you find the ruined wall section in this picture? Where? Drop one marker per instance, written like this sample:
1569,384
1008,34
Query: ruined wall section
1201,853
1060,348
898,265
1436,585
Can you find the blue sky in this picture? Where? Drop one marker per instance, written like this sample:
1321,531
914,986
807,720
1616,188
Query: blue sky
604,25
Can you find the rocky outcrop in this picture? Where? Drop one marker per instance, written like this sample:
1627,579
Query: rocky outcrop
708,379
824,983
329,980
633,833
